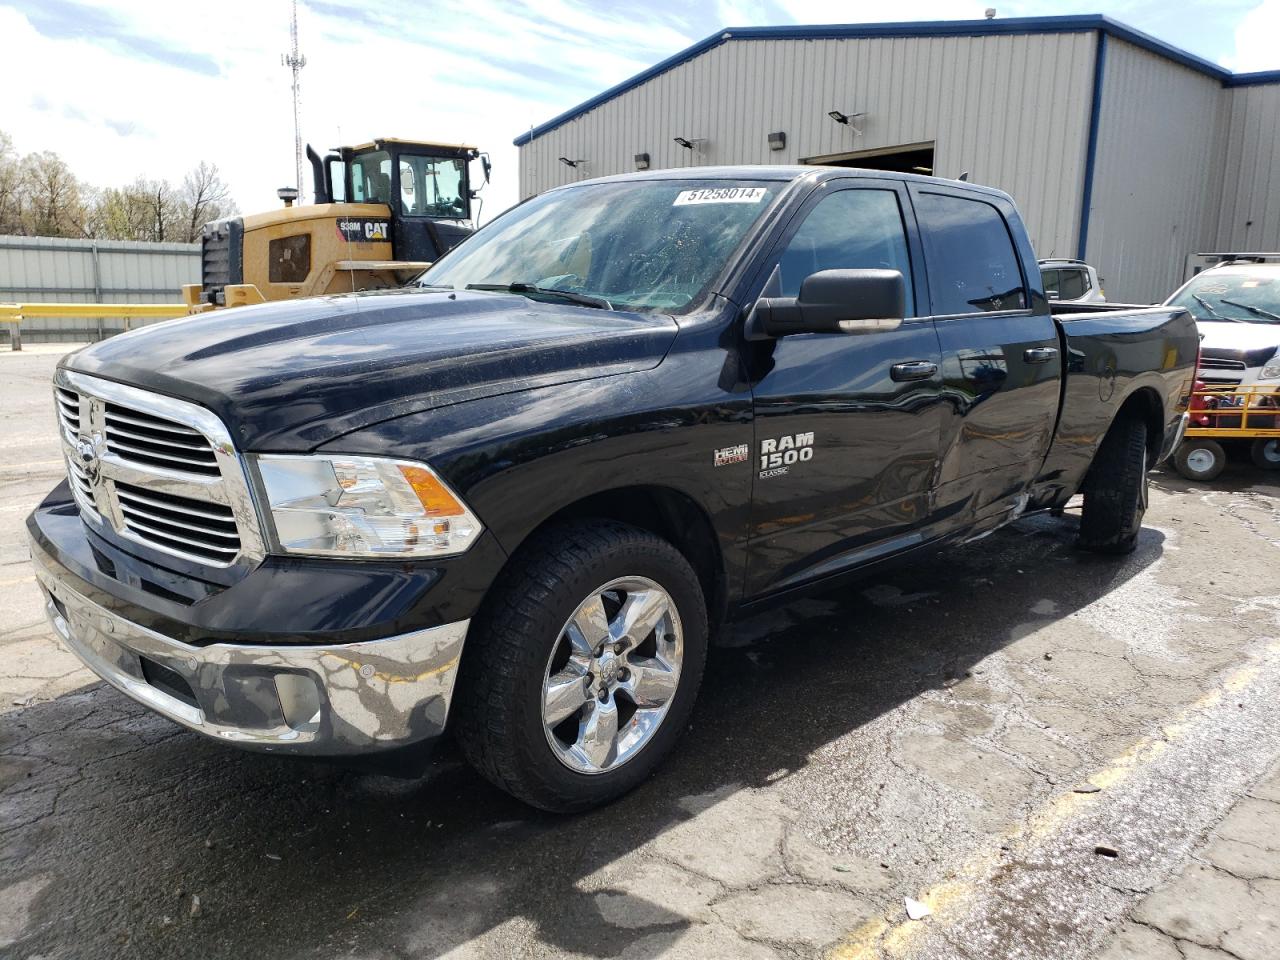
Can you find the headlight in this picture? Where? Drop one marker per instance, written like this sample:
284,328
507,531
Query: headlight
364,507
1272,370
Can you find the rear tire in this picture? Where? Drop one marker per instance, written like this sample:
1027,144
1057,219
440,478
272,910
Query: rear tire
1200,459
1115,490
532,636
1266,453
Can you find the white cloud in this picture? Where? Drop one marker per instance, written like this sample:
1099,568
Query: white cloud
1257,39
453,71
875,11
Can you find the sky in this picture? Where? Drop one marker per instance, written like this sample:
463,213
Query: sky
152,87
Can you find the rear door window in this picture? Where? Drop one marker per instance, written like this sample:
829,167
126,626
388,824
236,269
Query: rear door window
973,267
1073,284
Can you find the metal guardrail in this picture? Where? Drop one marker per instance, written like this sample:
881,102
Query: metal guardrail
12,314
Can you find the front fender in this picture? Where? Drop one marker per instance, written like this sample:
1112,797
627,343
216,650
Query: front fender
520,459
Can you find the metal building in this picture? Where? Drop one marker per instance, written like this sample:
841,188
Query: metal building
1118,148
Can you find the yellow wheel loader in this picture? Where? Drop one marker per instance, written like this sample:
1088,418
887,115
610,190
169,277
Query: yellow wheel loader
383,212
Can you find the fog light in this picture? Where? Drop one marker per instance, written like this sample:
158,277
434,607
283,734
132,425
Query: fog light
299,700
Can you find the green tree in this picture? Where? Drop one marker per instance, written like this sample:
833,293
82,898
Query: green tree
120,213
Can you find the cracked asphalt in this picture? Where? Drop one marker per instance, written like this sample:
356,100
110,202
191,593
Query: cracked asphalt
1054,754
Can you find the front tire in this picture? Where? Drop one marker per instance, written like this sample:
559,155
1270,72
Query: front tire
582,668
1115,490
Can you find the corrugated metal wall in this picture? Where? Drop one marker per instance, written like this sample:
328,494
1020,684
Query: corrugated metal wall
44,269
1011,110
1156,173
1249,216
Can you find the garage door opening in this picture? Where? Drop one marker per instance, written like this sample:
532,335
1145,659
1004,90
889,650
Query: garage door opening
909,158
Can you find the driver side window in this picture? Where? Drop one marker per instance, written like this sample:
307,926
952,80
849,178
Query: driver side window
849,230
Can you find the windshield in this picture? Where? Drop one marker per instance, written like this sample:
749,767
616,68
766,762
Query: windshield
639,244
1244,297
432,187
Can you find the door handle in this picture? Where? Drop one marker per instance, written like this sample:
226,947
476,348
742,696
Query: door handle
1039,354
913,370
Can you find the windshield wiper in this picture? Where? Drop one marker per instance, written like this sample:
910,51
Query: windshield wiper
1212,312
570,296
1256,311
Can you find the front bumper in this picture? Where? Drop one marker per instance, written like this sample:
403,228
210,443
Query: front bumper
1174,440
338,700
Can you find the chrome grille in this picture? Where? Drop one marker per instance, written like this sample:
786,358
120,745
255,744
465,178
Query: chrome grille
1213,363
156,442
68,408
198,527
156,471
80,486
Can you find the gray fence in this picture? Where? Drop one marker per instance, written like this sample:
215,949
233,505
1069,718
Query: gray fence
48,269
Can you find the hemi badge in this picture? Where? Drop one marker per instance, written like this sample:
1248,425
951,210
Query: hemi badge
727,455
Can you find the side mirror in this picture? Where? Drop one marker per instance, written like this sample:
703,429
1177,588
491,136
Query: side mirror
834,301
486,165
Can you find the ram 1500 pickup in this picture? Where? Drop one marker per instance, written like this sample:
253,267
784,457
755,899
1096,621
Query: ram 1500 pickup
514,500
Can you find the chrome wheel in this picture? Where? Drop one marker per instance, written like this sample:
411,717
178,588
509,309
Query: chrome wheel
612,675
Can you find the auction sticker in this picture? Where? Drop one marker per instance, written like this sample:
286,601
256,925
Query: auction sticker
720,195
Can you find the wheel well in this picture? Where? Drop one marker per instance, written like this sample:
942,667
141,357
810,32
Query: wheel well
670,514
1145,404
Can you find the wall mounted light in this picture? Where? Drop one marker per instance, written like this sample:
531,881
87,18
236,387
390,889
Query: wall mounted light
778,141
642,161
571,163
689,143
847,119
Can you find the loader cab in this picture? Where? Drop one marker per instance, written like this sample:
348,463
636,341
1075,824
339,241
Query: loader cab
384,211
426,187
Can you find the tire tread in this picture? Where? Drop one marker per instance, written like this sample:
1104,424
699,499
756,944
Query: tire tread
1113,490
501,652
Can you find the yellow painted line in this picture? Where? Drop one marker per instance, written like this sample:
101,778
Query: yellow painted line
881,939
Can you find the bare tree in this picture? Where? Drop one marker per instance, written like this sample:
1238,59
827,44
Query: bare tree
40,196
166,210
206,197
10,187
55,205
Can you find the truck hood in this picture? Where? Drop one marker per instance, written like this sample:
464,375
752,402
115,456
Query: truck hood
1238,336
291,376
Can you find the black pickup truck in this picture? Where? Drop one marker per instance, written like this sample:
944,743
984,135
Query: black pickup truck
514,500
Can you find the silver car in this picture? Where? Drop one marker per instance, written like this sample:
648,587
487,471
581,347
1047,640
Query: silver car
1071,281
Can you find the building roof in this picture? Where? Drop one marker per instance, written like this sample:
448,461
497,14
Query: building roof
926,28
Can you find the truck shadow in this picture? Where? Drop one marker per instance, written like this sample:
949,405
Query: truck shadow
118,817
